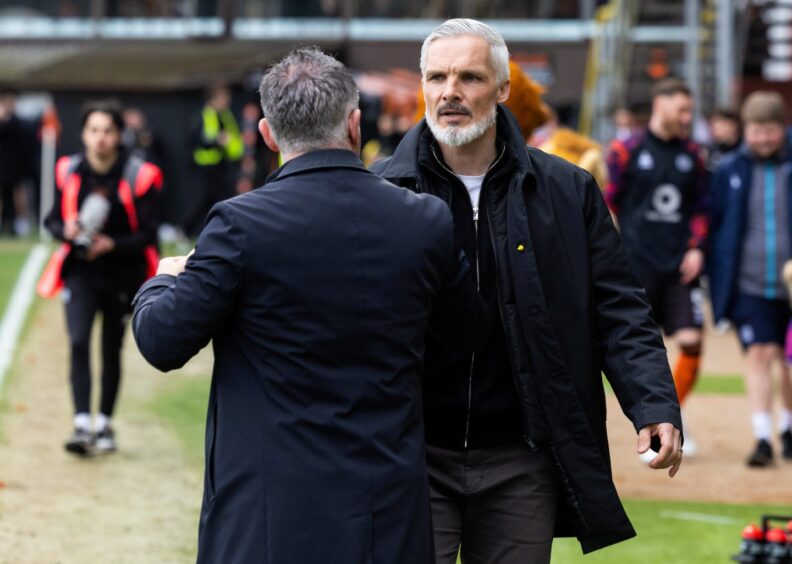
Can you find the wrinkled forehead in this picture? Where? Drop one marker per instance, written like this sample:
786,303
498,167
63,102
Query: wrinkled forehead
465,52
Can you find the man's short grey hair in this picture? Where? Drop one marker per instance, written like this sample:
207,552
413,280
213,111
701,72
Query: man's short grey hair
306,98
499,53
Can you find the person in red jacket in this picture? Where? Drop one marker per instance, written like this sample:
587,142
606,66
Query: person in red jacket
106,212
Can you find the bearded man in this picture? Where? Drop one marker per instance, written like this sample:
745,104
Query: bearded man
517,448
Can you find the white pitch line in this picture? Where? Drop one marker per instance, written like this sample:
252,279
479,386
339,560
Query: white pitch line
18,305
701,517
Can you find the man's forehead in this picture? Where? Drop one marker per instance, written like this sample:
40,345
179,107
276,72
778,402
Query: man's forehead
465,51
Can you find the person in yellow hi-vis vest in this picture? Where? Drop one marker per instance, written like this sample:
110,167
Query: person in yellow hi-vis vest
217,150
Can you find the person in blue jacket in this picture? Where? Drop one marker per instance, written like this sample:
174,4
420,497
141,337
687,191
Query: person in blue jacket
317,290
751,226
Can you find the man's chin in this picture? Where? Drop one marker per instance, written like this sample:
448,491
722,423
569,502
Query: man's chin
454,136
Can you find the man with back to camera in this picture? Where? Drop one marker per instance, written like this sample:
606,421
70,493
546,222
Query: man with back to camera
317,291
516,441
106,213
658,192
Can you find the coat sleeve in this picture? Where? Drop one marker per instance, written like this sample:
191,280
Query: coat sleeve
631,348
175,317
460,316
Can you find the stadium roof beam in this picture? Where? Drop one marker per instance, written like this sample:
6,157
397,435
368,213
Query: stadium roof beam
306,29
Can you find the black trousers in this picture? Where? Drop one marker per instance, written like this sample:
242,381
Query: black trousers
9,208
498,503
84,296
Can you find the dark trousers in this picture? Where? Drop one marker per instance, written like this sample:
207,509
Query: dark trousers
498,503
83,299
9,208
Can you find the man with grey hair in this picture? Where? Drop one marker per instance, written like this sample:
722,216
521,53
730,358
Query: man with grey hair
317,291
516,440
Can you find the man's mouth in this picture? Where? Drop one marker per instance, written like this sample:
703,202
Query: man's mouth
453,112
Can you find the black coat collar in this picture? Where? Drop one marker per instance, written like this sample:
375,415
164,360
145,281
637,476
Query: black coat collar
314,160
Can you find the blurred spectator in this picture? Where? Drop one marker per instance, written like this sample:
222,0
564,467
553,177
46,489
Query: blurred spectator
11,159
258,160
657,190
623,123
217,150
571,146
106,213
751,241
726,132
139,139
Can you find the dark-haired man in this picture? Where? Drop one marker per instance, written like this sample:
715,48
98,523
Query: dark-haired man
657,190
106,213
217,148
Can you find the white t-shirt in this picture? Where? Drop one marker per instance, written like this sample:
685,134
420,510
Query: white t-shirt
473,185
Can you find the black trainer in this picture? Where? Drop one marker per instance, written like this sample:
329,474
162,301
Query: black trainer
762,456
105,440
80,442
786,443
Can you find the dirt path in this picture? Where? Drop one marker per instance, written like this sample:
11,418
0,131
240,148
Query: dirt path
721,426
138,505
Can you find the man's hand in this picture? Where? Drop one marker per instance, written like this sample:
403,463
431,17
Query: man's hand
102,244
692,265
670,446
173,265
70,230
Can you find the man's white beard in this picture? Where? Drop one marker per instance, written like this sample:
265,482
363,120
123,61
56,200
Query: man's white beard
457,136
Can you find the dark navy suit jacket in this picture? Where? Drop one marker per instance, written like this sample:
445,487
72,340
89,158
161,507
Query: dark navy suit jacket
317,291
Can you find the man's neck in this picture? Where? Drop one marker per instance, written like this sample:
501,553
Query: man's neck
658,130
473,159
101,166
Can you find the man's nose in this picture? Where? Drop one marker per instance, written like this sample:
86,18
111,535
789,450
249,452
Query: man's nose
451,90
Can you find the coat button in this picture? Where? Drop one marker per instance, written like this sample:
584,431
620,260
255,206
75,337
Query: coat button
520,248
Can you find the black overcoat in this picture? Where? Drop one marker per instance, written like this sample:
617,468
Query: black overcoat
317,290
572,310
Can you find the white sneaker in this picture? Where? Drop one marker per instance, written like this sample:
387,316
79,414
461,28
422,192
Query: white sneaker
105,440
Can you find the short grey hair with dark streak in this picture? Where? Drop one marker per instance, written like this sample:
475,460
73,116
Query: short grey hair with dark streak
306,98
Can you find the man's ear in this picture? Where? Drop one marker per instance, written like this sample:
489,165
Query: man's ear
353,129
503,92
266,133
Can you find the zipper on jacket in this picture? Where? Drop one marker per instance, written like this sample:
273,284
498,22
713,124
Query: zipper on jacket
473,355
478,287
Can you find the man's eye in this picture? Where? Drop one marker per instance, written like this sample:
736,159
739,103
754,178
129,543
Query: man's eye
436,77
